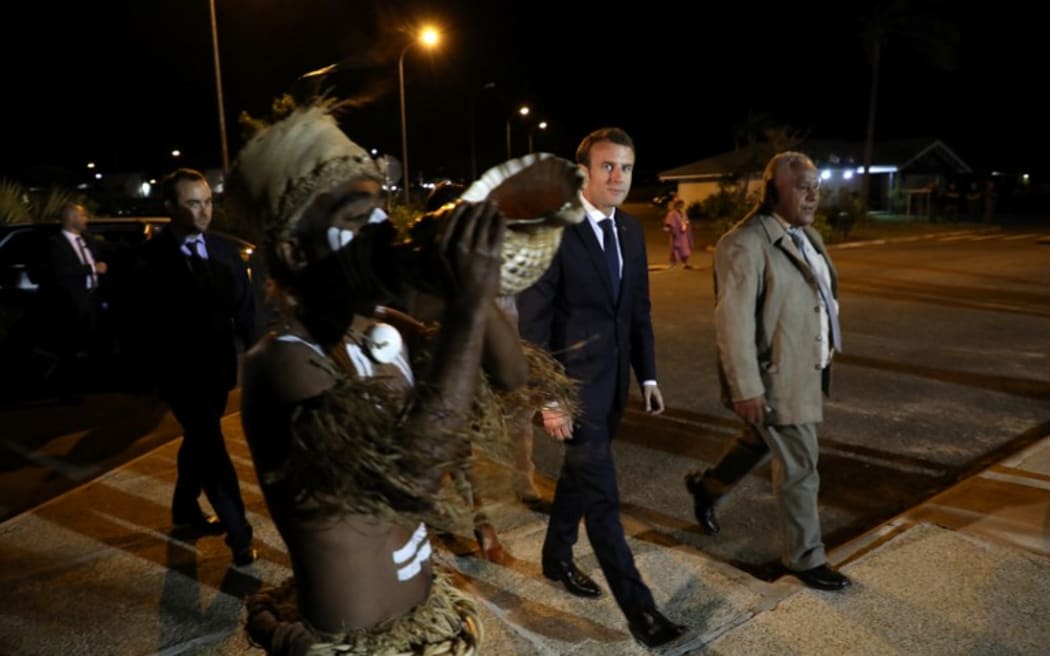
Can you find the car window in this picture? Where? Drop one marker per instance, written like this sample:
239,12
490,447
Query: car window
23,257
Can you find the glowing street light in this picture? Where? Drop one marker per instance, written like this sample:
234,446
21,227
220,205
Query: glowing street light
523,111
428,37
542,125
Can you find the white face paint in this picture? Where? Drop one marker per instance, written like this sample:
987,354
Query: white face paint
337,238
340,237
377,215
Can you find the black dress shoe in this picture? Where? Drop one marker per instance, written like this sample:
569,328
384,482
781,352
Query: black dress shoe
824,578
575,581
703,507
200,524
244,556
652,629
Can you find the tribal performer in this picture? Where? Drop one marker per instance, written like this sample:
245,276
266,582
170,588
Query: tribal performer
355,438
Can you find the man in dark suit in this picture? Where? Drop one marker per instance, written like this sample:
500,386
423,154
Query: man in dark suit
591,310
197,303
76,267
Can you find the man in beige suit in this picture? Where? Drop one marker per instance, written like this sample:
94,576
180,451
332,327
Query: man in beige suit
776,322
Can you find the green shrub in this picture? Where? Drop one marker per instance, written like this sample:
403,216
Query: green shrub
841,211
14,203
47,207
19,205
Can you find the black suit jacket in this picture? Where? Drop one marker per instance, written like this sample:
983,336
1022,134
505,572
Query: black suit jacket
571,312
69,295
192,328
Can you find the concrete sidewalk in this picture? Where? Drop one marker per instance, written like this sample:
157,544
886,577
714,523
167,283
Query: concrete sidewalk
96,571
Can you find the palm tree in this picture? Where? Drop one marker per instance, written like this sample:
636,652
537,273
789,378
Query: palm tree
922,27
757,127
14,207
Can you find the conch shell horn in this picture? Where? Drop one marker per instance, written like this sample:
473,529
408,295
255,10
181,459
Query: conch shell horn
539,195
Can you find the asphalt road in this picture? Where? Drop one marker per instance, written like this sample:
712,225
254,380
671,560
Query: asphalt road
945,369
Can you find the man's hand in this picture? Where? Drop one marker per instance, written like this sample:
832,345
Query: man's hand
751,410
100,267
654,401
471,244
557,424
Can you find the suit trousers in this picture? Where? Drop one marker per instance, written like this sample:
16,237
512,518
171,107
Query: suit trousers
204,463
587,489
796,484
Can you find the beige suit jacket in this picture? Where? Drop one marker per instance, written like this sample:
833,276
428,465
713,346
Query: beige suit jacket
768,320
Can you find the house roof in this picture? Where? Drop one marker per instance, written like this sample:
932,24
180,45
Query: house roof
907,155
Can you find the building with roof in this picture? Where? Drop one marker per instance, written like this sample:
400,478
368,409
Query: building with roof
903,172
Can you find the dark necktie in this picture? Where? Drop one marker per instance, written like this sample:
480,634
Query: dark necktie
612,258
198,264
825,293
92,280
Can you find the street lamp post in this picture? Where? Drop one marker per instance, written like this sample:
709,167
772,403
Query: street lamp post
218,89
474,129
428,37
522,111
542,125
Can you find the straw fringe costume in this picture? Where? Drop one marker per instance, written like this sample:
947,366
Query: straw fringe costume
336,466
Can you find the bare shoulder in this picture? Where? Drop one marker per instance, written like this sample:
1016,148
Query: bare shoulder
291,369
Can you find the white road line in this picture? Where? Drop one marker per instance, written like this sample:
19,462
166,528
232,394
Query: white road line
70,471
1014,461
1016,480
888,463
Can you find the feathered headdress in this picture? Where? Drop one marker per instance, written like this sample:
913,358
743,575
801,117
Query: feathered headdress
286,164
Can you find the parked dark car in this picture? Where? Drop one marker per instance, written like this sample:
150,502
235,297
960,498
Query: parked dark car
27,359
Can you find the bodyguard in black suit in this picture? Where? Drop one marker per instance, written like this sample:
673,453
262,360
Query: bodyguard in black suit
591,311
197,303
72,297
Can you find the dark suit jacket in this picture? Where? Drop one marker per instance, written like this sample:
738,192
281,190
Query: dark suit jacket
571,312
69,298
192,327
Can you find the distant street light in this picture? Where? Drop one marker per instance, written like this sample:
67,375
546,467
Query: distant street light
522,111
428,37
542,125
176,153
218,89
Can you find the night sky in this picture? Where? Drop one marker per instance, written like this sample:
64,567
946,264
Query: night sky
121,83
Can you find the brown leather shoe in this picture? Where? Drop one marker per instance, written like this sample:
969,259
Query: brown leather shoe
488,543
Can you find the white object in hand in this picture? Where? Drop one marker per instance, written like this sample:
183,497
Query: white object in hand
383,342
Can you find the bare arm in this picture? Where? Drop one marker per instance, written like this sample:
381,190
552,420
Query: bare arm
502,358
471,244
